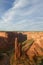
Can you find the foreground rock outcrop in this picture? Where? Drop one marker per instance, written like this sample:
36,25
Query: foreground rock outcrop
14,40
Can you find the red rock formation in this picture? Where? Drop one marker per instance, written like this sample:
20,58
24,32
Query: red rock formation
17,49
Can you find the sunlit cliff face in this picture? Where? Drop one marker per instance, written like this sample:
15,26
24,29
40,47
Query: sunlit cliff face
3,34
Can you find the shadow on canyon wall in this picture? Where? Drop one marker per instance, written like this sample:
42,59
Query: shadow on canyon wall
9,42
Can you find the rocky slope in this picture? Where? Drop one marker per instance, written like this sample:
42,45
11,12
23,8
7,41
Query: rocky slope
34,53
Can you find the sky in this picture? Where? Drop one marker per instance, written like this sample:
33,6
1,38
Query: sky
21,15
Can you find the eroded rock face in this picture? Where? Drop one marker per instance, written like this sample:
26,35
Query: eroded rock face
33,53
37,37
3,34
7,39
4,59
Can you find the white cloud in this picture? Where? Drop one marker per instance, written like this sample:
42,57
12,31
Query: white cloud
22,16
21,3
11,13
